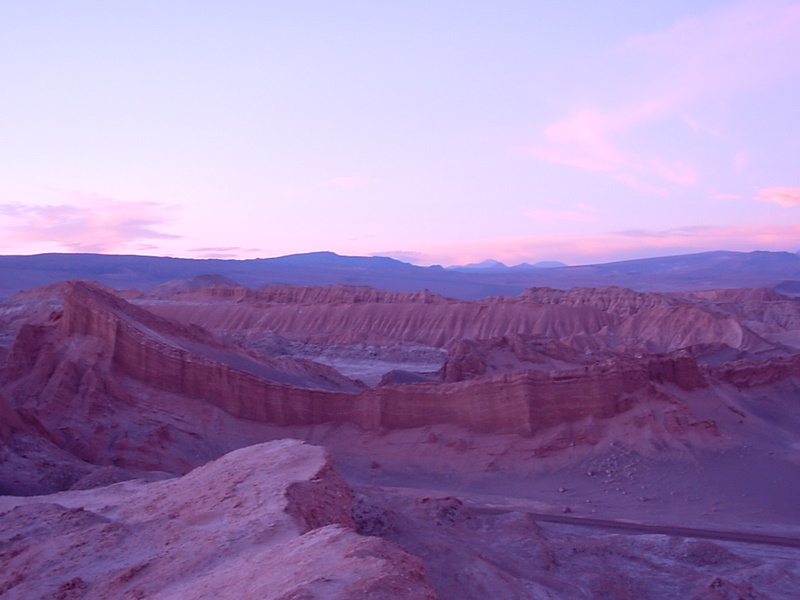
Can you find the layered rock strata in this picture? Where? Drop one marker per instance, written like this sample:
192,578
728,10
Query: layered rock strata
162,354
601,319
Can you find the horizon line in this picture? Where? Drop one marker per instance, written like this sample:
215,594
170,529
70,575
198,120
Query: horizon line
500,264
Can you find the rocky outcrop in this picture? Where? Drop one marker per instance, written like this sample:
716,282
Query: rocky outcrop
468,359
30,463
435,323
153,348
526,401
738,295
584,319
751,373
679,368
398,376
330,294
165,355
268,521
180,286
618,301
609,427
115,385
682,326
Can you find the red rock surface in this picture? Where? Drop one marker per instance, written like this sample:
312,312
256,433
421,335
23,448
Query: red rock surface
100,337
345,315
750,373
583,319
526,401
660,408
268,521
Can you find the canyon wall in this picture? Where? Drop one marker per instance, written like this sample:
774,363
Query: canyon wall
596,319
162,354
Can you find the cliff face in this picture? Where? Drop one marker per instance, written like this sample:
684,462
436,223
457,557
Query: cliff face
618,301
113,383
99,338
751,373
468,359
153,348
287,294
189,361
582,319
671,328
432,324
30,463
527,401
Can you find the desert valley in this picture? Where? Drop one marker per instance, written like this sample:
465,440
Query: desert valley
360,428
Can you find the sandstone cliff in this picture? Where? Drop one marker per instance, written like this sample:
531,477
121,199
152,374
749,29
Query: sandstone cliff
110,381
751,373
583,319
618,301
99,337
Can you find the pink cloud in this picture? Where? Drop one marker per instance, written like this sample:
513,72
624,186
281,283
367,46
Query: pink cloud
586,140
734,48
673,171
605,247
675,233
215,249
90,223
783,196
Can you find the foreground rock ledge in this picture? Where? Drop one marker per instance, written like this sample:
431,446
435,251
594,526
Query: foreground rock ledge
267,521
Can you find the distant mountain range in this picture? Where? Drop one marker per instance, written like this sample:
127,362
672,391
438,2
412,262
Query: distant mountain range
706,270
495,265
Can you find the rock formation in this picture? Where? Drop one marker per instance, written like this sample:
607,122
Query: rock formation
268,521
83,352
659,409
583,319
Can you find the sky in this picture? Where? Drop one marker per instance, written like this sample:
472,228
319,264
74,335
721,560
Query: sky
435,132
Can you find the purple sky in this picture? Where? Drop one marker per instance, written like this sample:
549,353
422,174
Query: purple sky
437,132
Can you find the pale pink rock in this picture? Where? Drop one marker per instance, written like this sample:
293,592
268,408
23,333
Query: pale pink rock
267,521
